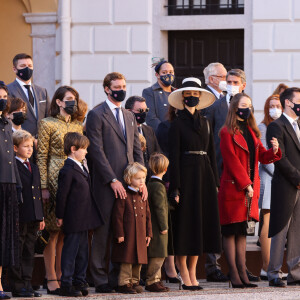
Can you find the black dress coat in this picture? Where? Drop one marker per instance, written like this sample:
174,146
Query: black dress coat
110,152
286,175
152,146
217,114
74,201
32,208
197,225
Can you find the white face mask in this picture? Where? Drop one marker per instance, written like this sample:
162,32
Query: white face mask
233,90
275,113
223,86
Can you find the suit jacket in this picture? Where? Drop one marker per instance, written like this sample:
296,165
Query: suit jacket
236,176
217,114
286,175
152,145
157,101
41,100
32,208
74,201
109,152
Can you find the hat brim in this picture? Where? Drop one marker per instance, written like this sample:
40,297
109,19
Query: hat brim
175,99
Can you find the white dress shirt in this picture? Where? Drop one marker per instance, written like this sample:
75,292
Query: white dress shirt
114,112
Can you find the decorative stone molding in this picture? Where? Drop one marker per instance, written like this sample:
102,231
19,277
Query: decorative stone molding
43,32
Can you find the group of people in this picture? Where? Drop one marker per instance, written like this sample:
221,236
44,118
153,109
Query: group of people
171,175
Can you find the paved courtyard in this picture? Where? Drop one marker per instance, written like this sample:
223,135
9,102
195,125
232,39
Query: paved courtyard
211,291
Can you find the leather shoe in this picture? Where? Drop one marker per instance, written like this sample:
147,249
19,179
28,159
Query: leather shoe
276,282
252,277
83,287
35,293
216,276
156,287
69,291
104,288
297,282
22,293
126,289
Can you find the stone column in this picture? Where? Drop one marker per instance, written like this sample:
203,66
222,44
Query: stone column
43,32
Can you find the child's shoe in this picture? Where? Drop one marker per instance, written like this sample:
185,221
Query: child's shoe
69,291
83,287
156,287
139,289
126,289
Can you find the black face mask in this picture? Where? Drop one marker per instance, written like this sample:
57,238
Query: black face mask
243,113
71,107
25,74
191,101
167,79
296,109
18,118
118,95
140,117
3,103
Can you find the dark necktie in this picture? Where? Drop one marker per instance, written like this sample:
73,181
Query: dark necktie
119,121
140,130
27,163
84,170
30,96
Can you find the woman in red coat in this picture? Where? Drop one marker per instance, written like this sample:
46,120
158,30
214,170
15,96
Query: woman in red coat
241,150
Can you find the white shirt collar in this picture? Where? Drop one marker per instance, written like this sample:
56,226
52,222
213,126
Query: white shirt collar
21,83
111,105
153,176
21,160
228,99
77,162
133,189
291,120
217,94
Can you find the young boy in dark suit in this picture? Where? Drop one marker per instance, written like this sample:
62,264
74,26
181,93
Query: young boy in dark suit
30,216
77,213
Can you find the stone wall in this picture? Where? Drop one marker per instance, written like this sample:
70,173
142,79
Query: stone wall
276,47
107,36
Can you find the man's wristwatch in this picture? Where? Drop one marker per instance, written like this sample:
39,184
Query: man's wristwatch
114,180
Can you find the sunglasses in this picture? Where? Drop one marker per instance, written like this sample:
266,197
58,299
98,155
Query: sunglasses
140,110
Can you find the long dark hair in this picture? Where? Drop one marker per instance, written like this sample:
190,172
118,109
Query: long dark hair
60,94
231,119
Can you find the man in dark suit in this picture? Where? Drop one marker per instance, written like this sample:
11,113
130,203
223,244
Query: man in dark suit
30,216
114,143
217,113
36,97
285,192
137,105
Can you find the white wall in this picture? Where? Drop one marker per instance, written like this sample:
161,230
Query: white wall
276,46
107,36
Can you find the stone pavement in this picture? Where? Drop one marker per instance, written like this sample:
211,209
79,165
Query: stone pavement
211,291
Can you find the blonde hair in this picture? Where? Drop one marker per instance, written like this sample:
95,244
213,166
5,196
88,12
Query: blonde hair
21,136
143,142
131,170
158,163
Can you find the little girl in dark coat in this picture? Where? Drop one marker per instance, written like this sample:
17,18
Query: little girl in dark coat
132,230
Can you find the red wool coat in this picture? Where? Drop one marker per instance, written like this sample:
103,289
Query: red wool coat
236,176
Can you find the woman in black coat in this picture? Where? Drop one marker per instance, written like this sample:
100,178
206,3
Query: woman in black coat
10,183
194,178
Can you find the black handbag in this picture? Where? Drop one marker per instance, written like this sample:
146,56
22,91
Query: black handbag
41,241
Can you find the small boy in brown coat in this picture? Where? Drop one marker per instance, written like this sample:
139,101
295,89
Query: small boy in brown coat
132,230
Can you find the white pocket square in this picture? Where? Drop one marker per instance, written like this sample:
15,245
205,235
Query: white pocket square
41,101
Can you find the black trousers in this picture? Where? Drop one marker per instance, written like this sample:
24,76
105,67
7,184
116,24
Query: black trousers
74,258
20,276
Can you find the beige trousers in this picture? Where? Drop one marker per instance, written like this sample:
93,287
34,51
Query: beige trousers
154,270
129,273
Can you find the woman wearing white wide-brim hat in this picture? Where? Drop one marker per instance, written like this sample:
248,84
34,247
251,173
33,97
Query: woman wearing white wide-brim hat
193,179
